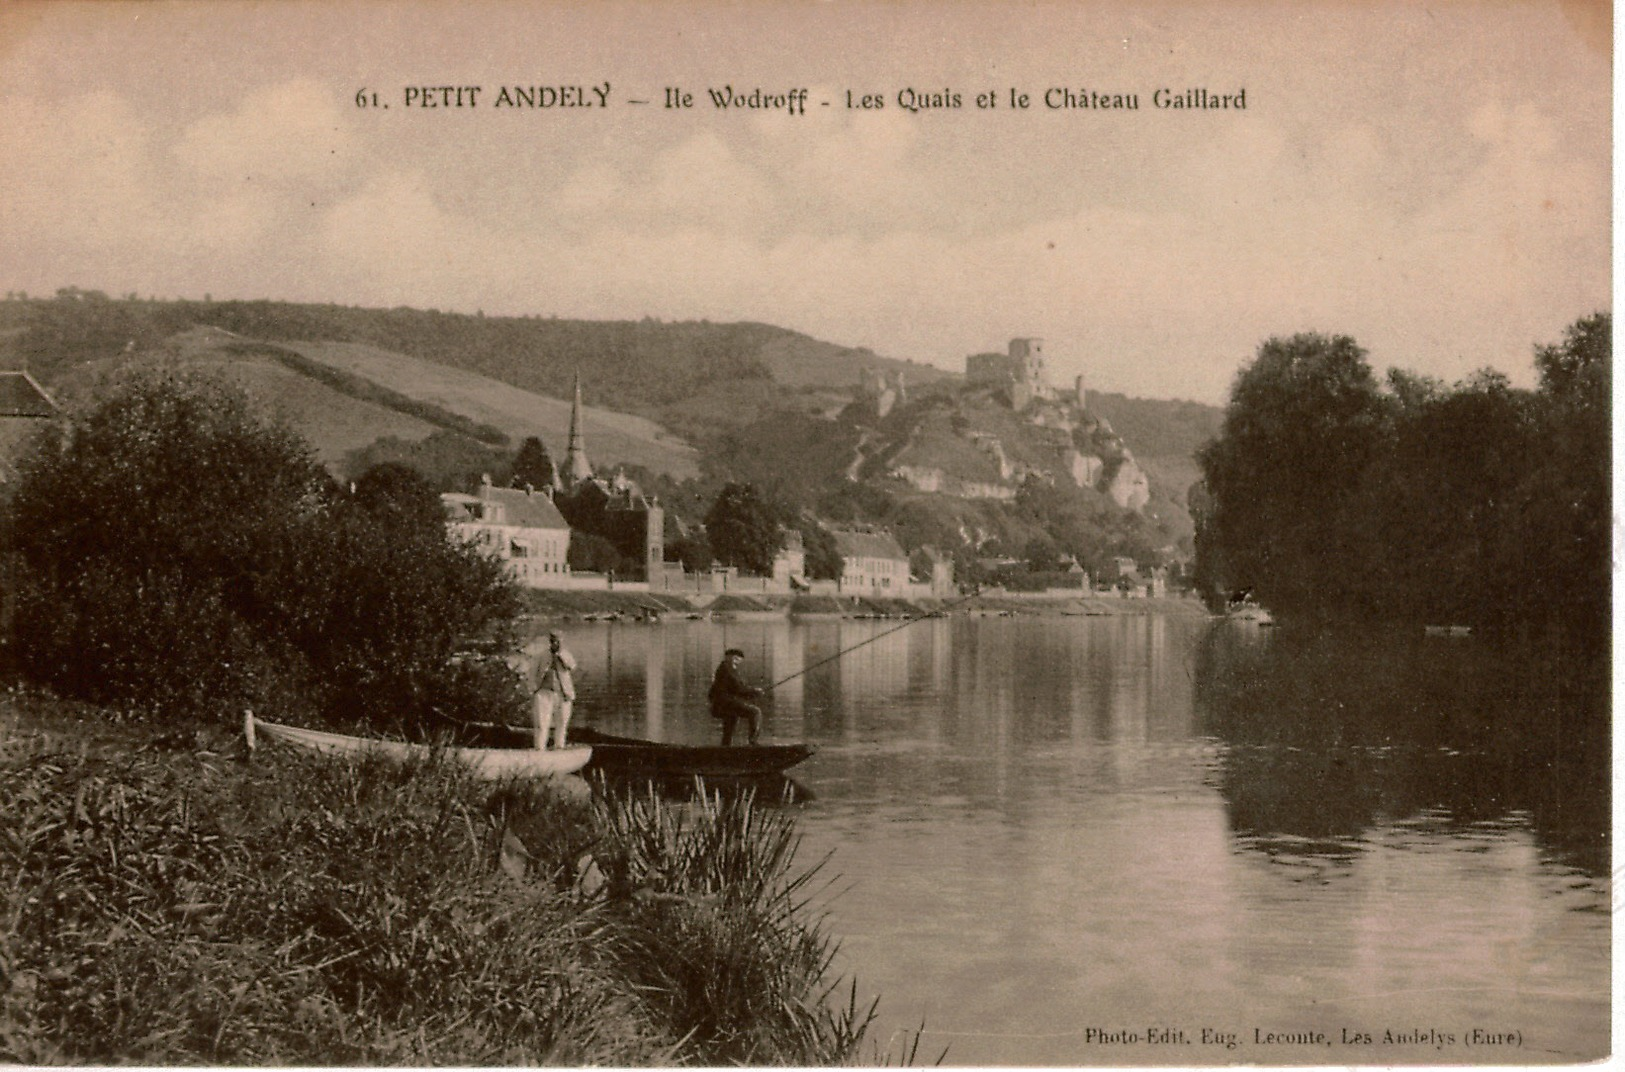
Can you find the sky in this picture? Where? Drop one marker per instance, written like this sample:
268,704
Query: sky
1433,179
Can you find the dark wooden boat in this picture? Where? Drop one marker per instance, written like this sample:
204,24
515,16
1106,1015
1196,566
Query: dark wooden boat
632,756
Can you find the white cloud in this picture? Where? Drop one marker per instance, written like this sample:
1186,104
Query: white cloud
394,240
291,134
698,181
76,175
703,180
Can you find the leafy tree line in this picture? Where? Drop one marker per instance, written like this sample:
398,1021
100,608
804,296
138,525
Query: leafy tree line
175,551
641,365
1333,493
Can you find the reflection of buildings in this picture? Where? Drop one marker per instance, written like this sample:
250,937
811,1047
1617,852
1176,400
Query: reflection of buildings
878,671
994,687
882,669
930,653
786,659
654,681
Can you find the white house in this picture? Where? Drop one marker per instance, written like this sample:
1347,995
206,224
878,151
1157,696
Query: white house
521,526
872,563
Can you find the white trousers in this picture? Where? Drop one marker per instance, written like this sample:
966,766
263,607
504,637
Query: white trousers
547,702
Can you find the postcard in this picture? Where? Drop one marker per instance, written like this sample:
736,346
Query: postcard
1074,355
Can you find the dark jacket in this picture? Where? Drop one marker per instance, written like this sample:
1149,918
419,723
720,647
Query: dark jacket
727,688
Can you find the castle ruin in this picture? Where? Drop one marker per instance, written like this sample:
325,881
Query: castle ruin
882,392
1020,374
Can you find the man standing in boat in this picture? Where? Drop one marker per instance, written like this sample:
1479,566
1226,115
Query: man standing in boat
553,677
730,696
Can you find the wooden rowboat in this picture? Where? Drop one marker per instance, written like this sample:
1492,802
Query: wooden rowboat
485,762
633,756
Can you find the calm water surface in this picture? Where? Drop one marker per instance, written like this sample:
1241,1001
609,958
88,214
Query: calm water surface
1150,839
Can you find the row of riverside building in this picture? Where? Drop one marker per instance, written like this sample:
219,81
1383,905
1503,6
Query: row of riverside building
529,530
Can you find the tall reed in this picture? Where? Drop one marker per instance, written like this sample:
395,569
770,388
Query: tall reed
715,928
186,907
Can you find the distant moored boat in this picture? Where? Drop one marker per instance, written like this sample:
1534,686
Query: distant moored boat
1250,612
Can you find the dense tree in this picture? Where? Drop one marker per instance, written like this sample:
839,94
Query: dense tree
847,502
692,551
594,509
591,553
790,457
1576,374
533,466
824,562
1041,554
449,461
1562,548
1304,419
1477,504
1435,502
398,492
178,552
742,530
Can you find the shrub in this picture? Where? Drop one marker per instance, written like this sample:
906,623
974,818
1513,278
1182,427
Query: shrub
179,552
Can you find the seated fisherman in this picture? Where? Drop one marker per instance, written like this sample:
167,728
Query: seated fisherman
729,696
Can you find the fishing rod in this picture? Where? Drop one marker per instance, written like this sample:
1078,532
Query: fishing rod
877,636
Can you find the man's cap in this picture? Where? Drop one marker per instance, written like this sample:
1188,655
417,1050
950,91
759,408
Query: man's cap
554,636
733,651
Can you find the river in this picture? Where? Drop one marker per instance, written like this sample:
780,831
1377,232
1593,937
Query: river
1153,839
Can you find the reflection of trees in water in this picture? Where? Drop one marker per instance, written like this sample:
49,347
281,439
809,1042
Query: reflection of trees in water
1331,735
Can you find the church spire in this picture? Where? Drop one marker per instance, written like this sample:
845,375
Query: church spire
576,466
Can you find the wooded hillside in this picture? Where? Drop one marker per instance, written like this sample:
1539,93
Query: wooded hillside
673,401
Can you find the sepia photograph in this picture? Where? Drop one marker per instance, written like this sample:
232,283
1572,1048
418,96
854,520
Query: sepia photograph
984,533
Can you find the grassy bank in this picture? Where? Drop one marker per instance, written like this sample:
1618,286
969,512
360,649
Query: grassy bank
168,900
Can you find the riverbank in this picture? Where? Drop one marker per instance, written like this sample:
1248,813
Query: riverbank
566,606
174,900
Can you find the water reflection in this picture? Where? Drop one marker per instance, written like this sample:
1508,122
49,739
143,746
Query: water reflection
1332,736
1312,742
1140,819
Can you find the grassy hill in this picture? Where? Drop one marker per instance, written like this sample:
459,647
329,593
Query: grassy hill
344,396
612,438
795,360
695,378
642,365
735,401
